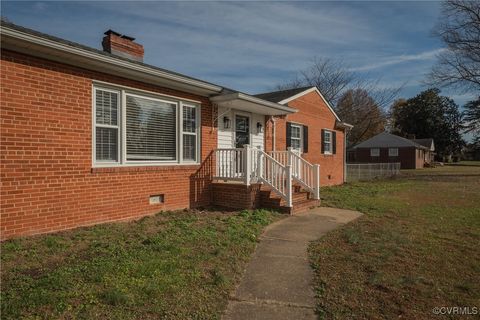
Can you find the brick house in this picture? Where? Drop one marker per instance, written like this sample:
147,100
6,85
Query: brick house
386,148
91,136
314,130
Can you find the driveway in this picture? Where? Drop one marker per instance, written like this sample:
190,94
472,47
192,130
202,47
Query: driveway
277,282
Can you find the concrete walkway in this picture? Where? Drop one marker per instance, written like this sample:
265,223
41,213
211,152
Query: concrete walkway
278,281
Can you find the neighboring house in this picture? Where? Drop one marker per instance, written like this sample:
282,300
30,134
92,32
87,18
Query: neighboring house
430,145
386,147
91,136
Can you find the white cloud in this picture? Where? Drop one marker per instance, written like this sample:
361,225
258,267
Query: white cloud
393,60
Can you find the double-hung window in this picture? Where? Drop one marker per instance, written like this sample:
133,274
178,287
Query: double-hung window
189,134
327,142
107,125
374,152
393,152
141,129
296,137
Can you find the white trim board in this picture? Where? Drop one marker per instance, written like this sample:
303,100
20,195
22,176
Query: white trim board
298,95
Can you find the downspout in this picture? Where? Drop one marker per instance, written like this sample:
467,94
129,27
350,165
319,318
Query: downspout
273,133
345,156
345,133
272,119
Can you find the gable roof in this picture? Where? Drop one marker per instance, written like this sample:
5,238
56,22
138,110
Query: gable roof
388,140
428,143
277,96
292,94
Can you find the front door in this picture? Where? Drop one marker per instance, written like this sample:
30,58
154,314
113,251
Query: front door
297,145
242,137
242,131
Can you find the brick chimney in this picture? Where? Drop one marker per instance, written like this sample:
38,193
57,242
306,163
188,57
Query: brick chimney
122,46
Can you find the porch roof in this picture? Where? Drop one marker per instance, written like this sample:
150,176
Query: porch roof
245,102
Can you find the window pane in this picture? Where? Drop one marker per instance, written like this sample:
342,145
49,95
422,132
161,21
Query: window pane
106,107
328,147
295,132
106,143
328,136
189,119
393,152
151,130
296,143
189,147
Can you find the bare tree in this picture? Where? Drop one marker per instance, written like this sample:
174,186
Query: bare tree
358,108
458,65
330,76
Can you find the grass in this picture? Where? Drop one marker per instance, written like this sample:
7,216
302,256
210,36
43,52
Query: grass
175,265
417,247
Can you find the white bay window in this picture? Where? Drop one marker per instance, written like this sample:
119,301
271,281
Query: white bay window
137,129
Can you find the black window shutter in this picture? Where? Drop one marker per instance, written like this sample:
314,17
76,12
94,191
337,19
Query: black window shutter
289,134
334,142
305,139
323,141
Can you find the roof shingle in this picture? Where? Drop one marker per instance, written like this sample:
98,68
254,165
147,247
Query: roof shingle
277,96
388,140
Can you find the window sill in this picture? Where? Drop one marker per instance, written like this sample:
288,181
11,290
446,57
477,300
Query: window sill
176,167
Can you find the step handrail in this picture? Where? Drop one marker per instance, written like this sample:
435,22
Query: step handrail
276,175
305,173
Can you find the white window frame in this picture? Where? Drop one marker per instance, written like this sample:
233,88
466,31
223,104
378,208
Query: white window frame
300,139
122,123
374,152
393,152
196,133
330,142
95,125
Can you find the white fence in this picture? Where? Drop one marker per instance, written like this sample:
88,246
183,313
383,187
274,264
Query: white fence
369,171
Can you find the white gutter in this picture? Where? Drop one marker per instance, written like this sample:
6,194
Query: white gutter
37,40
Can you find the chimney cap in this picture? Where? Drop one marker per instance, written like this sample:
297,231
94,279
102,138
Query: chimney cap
110,31
127,37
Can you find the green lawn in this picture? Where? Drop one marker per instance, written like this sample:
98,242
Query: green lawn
417,247
175,265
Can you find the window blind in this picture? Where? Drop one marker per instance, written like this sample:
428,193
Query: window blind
151,129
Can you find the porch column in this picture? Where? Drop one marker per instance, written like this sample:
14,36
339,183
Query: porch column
316,177
247,155
289,186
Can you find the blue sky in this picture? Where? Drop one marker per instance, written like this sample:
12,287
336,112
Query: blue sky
252,46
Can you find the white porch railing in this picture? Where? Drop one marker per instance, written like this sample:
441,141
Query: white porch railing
275,175
277,169
230,164
305,173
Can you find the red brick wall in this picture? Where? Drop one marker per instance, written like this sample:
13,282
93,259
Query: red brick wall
406,157
314,113
114,44
236,195
48,183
